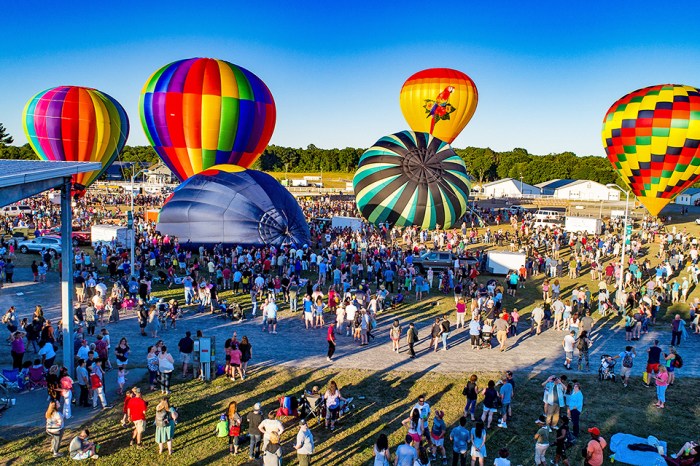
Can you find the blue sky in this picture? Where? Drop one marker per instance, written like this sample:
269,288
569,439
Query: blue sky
546,72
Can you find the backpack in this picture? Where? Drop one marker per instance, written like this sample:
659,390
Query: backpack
627,360
570,440
678,361
582,344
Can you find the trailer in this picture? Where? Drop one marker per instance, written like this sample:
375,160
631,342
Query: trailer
347,222
502,262
111,234
588,225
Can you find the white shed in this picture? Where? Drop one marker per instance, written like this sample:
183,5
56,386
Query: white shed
509,187
690,196
586,190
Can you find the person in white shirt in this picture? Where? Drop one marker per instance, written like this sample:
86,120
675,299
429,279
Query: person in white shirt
568,344
268,426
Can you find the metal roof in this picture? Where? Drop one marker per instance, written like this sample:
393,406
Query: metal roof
18,172
555,184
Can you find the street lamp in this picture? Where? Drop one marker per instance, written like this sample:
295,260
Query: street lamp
521,186
130,216
624,241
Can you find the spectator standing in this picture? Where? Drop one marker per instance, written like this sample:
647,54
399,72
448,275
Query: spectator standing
574,407
594,449
406,455
411,339
541,441
382,455
661,385
254,419
186,347
304,444
330,337
136,412
165,416
166,365
460,442
54,427
653,361
568,345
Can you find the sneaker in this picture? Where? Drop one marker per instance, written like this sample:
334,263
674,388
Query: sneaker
95,456
57,455
504,425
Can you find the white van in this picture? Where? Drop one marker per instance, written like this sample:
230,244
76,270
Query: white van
549,215
15,210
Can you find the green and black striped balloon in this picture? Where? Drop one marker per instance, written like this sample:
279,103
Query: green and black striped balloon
411,179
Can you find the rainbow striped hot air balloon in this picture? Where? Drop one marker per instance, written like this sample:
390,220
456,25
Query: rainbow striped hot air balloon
439,101
652,138
76,124
201,112
410,179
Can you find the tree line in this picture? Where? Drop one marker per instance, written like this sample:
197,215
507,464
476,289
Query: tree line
484,164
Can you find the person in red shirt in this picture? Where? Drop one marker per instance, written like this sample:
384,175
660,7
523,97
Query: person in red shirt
331,340
125,410
136,410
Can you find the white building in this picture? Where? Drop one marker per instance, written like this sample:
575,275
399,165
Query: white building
509,187
690,196
579,190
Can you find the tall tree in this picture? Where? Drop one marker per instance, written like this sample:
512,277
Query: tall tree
5,138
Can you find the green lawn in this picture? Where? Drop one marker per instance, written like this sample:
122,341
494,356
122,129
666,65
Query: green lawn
388,397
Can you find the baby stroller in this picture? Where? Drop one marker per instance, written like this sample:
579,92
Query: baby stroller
485,340
606,371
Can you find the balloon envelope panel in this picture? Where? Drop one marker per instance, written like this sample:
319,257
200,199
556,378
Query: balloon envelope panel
411,178
201,112
229,204
651,137
439,101
76,124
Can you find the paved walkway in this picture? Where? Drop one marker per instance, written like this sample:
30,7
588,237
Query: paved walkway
295,346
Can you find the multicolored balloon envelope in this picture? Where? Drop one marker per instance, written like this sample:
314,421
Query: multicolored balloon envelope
652,137
439,101
76,124
202,112
231,205
409,179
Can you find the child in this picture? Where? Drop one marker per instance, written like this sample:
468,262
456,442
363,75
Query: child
221,429
127,397
437,435
121,378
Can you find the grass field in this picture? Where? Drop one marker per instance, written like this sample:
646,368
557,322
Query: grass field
388,398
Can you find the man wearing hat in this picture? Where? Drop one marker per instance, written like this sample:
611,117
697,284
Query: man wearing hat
541,441
254,419
305,444
594,450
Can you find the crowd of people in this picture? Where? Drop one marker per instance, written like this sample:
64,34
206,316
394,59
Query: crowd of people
343,281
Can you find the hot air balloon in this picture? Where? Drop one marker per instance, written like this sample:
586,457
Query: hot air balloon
409,179
76,124
231,205
652,137
202,112
439,101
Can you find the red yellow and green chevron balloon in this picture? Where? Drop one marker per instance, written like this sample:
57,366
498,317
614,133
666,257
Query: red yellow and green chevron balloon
651,137
439,101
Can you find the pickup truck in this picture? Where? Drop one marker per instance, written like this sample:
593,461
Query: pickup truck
439,260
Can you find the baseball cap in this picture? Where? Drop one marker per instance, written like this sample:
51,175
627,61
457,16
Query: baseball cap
594,431
257,407
302,422
136,390
541,420
222,417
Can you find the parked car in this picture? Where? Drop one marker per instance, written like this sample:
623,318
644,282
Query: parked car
438,260
80,238
15,210
50,243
